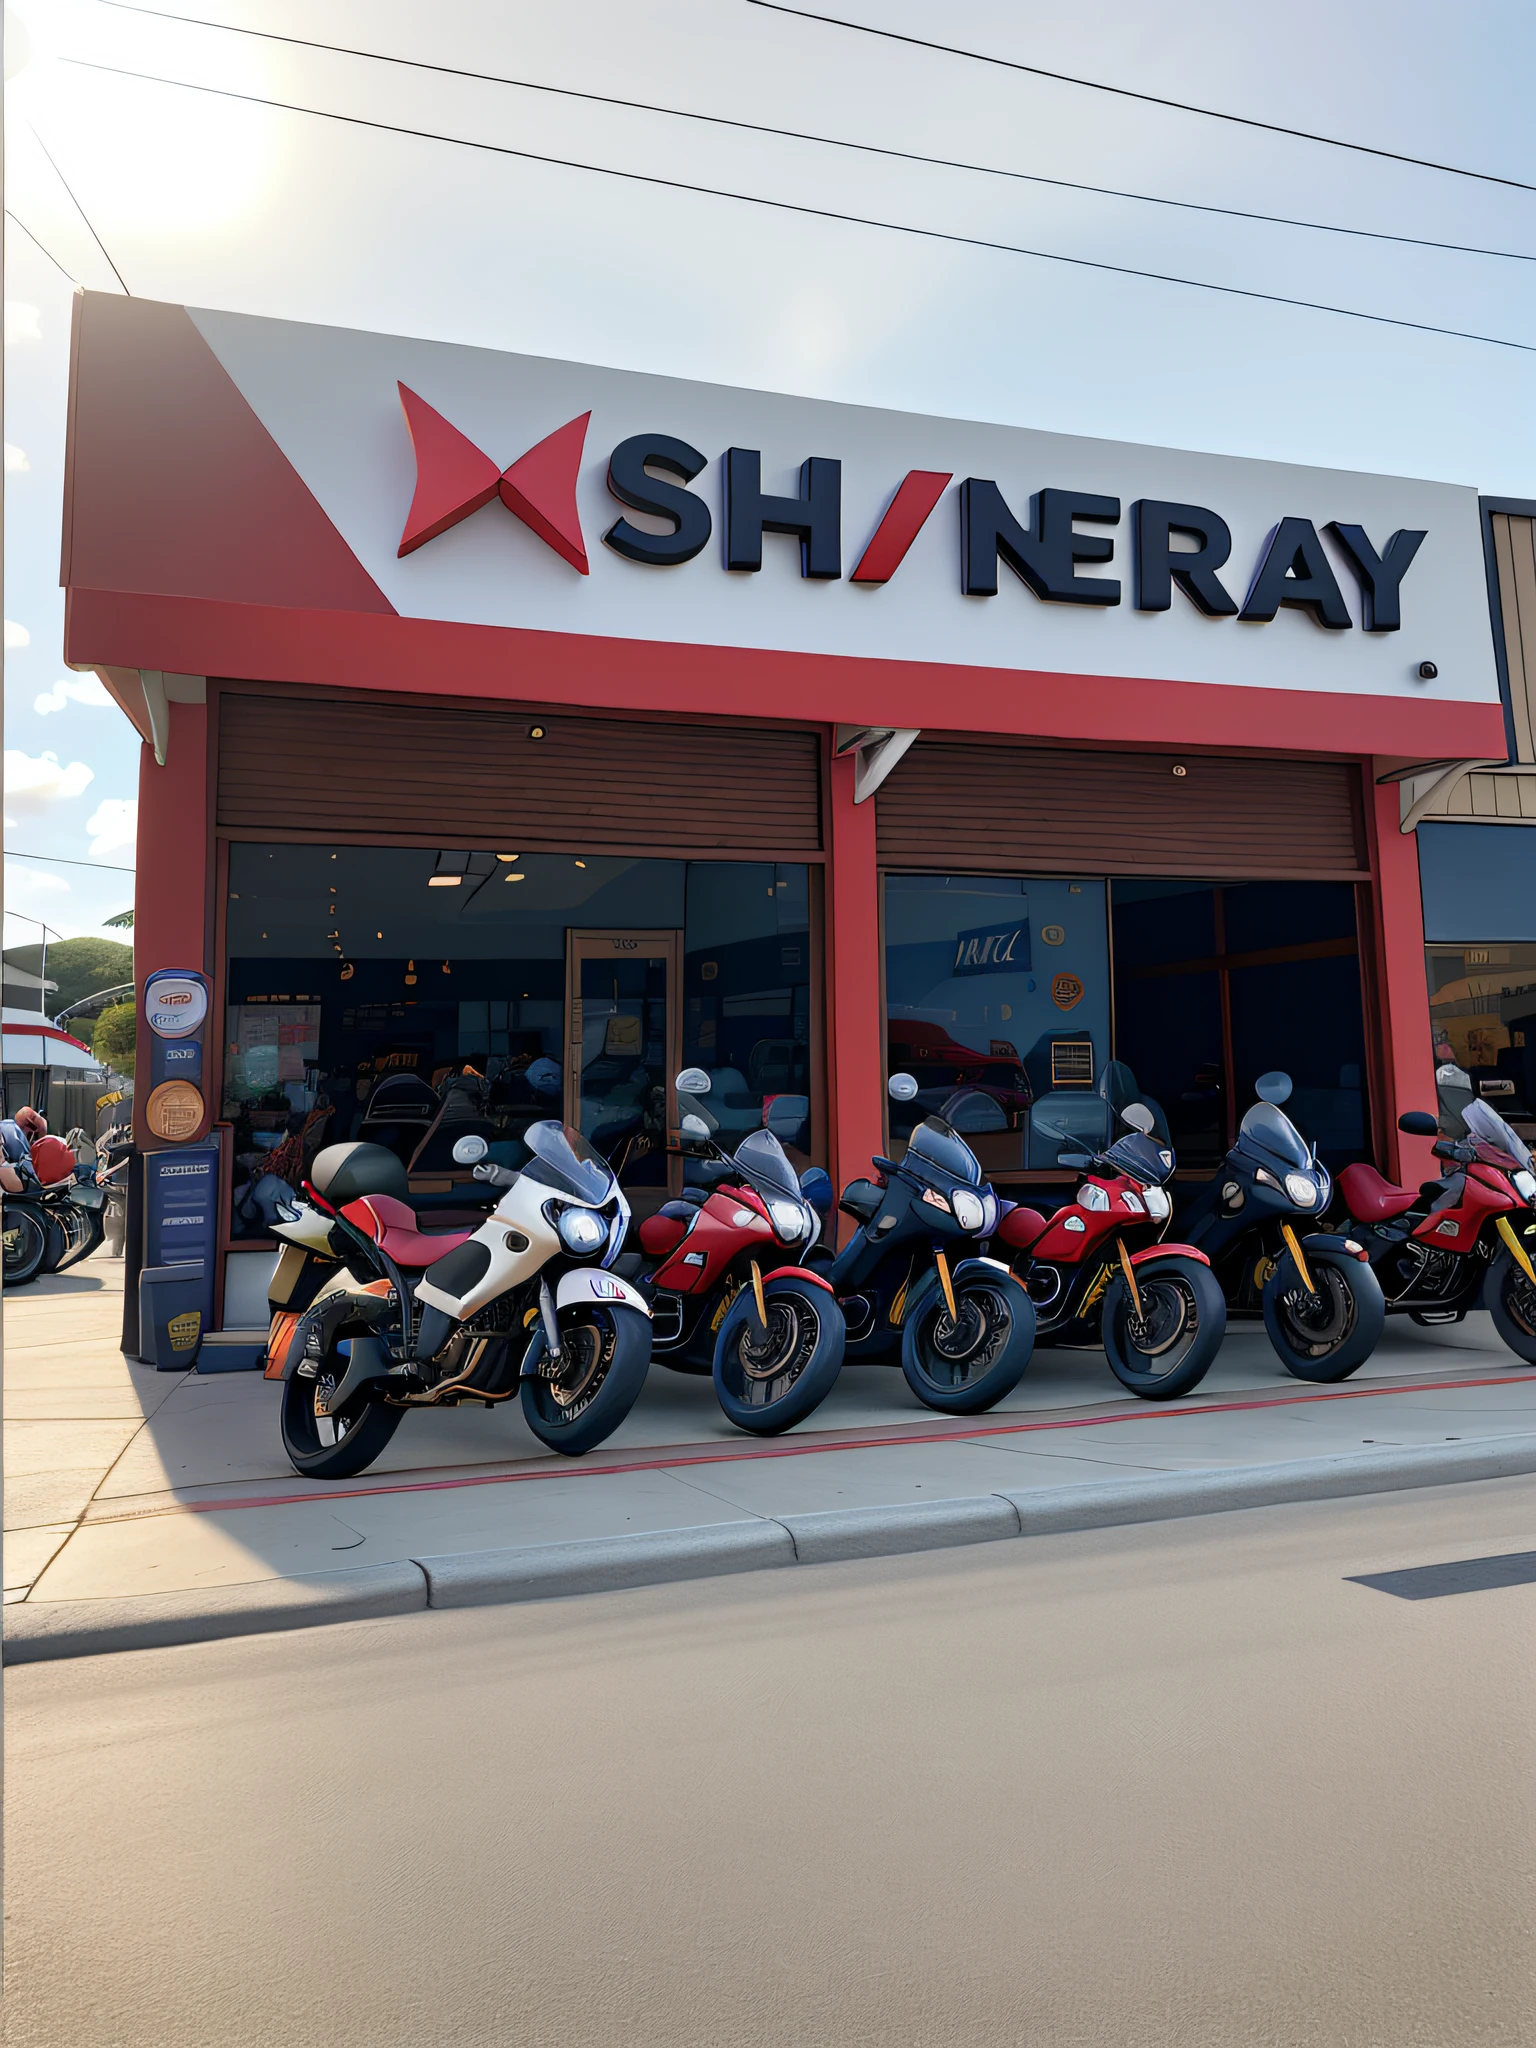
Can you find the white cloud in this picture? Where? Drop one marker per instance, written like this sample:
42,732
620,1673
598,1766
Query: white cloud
15,458
26,885
22,321
16,636
32,784
115,822
72,690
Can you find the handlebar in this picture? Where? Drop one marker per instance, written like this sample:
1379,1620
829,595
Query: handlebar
493,1175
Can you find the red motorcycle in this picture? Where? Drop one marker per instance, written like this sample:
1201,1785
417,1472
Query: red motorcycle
1466,1238
1157,1309
727,1296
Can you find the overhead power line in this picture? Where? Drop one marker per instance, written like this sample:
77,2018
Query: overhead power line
1150,99
74,202
41,247
909,156
62,861
652,178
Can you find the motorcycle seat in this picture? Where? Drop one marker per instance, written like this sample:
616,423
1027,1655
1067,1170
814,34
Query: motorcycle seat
1020,1227
664,1231
862,1198
393,1228
1370,1198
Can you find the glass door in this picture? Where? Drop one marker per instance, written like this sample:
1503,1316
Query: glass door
624,1045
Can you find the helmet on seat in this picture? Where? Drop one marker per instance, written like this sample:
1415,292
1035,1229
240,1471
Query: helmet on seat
344,1172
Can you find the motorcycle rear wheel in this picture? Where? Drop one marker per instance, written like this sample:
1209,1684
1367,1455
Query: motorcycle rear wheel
604,1356
768,1380
1171,1346
25,1244
1328,1335
333,1446
1511,1302
965,1364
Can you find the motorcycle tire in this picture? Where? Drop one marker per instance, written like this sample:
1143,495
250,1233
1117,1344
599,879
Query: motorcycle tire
966,1364
1328,1335
58,1244
605,1353
768,1379
25,1245
1171,1346
1510,1300
333,1446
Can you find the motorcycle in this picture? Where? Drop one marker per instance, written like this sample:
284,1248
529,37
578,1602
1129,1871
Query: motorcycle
372,1315
56,1220
1322,1305
1460,1240
770,1334
963,1331
1158,1310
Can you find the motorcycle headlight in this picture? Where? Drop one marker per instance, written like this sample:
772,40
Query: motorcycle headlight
970,1210
1525,1185
989,1221
1302,1189
788,1221
1159,1207
1091,1196
582,1231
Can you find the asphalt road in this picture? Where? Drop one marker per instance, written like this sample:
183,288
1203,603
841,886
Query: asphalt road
1176,1785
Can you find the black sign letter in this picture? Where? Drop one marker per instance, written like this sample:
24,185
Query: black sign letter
1041,554
1380,576
1159,567
816,515
1294,570
629,483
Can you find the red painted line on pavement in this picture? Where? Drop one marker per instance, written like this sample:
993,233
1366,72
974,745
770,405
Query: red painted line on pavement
900,1435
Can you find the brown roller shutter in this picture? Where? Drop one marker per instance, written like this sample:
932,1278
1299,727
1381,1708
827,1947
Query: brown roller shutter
968,805
446,775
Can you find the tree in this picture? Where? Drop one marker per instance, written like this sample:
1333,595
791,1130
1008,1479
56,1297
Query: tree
81,967
114,1036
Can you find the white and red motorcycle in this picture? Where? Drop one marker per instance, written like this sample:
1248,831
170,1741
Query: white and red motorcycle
373,1315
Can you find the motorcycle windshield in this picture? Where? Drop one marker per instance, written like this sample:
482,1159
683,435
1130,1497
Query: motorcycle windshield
1142,1158
1489,1128
1269,1130
935,1143
762,1159
562,1159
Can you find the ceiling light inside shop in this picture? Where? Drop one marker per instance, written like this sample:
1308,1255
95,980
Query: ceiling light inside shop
444,881
514,878
509,858
581,863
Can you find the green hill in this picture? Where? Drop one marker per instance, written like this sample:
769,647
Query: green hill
80,966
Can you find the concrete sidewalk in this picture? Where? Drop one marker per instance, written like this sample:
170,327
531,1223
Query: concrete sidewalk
123,1483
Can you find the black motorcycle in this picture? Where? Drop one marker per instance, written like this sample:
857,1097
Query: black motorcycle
1322,1305
912,1281
50,1226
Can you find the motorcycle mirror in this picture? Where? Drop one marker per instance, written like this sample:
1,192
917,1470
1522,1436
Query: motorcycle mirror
470,1150
1139,1117
1418,1123
1273,1087
902,1087
695,1127
1078,1161
692,1081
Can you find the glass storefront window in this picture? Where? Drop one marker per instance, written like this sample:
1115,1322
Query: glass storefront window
1482,1006
407,997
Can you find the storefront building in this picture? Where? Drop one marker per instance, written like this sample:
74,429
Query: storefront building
552,727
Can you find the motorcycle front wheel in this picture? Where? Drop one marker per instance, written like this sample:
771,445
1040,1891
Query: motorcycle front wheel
573,1402
965,1363
1510,1300
1169,1348
1326,1335
26,1245
769,1378
333,1446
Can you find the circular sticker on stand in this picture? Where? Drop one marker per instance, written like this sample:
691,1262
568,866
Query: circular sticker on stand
175,1110
1066,991
175,1005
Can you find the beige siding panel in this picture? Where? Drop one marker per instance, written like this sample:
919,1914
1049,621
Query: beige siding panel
1514,546
1506,795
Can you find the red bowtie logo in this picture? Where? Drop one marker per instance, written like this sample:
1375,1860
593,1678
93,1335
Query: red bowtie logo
453,479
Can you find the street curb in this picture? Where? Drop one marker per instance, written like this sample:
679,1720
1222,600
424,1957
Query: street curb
35,1632
605,1564
547,1571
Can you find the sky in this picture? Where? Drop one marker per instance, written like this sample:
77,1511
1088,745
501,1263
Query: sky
143,183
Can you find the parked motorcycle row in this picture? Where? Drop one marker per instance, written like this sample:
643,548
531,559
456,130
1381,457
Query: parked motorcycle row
373,1315
55,1216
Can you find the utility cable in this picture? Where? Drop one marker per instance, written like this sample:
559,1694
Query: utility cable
1235,291
62,861
1151,99
41,247
101,245
909,156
